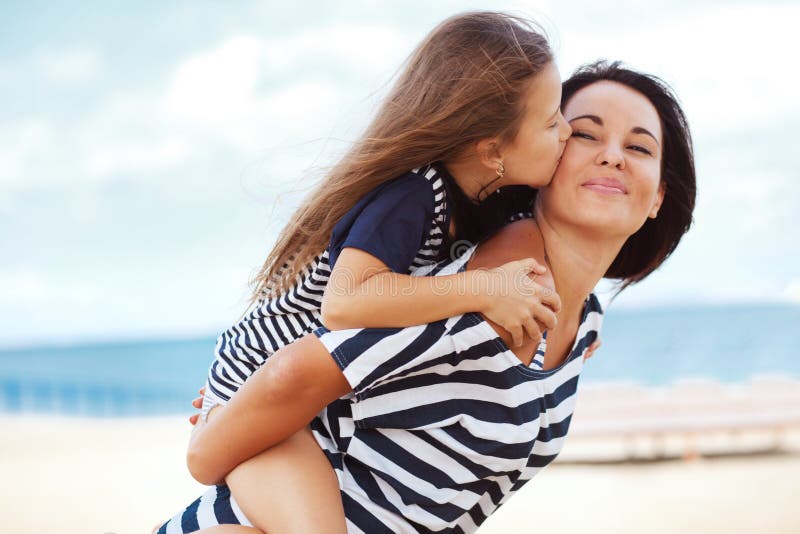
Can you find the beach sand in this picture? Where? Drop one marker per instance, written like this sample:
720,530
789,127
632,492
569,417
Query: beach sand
122,476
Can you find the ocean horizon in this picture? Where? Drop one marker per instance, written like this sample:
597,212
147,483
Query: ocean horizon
653,347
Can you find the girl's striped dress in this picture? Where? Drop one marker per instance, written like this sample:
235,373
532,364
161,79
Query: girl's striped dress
443,425
272,324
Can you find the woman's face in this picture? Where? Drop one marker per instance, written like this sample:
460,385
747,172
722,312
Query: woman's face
609,178
531,158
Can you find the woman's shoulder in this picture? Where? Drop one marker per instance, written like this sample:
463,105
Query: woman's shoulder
514,241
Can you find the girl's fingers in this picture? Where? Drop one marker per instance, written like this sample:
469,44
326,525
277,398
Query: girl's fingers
545,316
193,418
532,329
549,298
531,265
516,336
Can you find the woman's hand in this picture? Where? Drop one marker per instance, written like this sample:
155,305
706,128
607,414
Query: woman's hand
197,403
592,348
516,302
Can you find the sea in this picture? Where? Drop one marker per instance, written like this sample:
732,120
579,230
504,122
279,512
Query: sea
651,347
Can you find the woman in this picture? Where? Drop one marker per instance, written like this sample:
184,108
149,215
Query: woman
433,427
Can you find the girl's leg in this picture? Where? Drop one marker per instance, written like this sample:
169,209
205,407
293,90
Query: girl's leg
229,529
216,507
221,529
290,488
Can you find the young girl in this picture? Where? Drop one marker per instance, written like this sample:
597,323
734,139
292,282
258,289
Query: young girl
481,93
480,88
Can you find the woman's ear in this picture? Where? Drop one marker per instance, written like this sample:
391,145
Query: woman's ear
658,201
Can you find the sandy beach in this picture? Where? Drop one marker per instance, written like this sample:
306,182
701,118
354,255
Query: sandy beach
122,476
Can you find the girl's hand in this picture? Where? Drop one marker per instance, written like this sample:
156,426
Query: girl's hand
517,303
197,403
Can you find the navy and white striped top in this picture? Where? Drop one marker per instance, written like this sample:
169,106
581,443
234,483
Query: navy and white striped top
444,422
272,324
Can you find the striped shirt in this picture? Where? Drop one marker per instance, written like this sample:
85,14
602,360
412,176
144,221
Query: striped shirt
444,422
275,323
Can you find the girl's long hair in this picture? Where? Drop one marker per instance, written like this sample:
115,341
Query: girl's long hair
465,82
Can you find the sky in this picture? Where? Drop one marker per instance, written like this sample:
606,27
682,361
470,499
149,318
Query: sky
150,152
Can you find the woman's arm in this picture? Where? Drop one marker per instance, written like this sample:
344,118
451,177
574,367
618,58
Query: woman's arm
363,292
279,399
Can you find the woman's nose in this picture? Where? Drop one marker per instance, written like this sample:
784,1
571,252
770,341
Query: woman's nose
611,156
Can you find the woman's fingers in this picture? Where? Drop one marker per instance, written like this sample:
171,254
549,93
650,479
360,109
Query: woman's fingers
197,403
592,348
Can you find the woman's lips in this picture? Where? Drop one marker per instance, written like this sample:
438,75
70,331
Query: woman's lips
606,186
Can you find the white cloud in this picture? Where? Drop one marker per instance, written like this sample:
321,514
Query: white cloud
727,62
245,94
792,291
23,287
68,66
261,101
134,157
22,144
216,85
364,47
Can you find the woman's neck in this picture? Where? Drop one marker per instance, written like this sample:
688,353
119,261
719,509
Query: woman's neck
577,262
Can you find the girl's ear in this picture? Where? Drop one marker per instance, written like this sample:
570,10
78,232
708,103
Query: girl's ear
489,153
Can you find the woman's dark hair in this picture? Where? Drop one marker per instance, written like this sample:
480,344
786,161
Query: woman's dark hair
477,221
653,243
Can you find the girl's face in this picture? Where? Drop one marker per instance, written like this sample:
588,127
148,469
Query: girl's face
531,158
609,179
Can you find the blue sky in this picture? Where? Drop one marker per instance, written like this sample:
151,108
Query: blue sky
149,153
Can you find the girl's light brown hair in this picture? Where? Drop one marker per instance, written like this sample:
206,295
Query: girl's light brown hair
465,82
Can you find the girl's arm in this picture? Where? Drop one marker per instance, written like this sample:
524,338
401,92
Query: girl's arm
363,292
279,399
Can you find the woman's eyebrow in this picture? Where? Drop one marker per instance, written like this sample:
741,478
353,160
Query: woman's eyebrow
640,130
636,129
594,118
